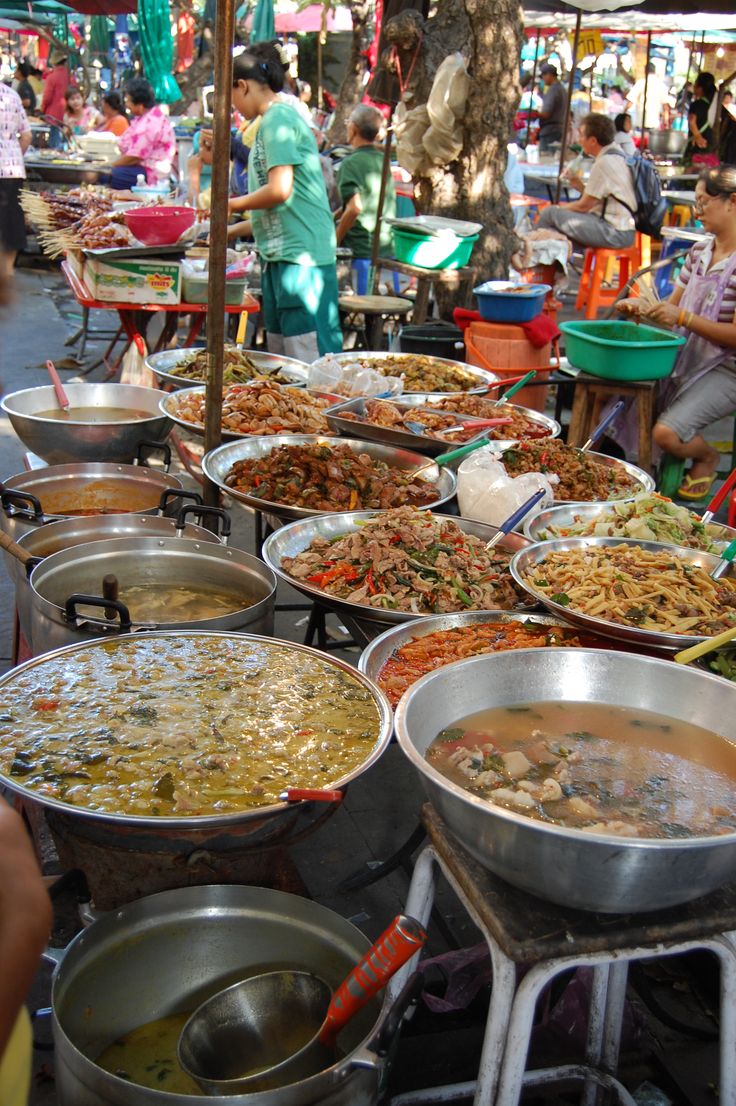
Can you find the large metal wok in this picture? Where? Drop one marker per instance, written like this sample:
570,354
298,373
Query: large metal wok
527,560
483,377
642,478
180,825
217,464
171,400
32,499
61,441
569,866
166,953
369,621
536,527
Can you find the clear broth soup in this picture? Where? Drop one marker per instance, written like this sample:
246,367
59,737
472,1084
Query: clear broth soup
147,1056
605,769
94,414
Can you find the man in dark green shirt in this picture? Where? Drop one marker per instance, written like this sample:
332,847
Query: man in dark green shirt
359,182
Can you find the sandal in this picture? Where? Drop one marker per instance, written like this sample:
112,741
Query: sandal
696,488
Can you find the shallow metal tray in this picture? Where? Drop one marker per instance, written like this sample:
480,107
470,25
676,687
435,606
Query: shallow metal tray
162,364
217,464
527,559
366,356
429,399
167,407
566,514
298,536
391,436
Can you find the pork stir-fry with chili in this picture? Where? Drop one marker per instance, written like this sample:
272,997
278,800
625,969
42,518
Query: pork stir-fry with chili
582,477
328,478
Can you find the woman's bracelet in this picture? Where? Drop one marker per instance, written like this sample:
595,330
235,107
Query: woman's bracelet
685,318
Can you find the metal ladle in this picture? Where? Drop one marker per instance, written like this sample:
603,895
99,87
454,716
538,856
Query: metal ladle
280,1027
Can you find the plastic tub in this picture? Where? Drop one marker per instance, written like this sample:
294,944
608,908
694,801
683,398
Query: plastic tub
159,225
620,350
501,301
194,289
432,339
506,351
432,251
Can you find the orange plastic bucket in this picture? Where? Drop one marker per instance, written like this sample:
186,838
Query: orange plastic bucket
505,350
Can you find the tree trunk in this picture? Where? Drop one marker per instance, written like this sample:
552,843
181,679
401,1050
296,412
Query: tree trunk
489,35
351,89
199,73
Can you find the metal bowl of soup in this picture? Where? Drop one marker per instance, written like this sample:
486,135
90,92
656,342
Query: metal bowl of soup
104,422
665,711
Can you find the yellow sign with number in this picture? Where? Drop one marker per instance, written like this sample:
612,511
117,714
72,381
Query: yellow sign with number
589,43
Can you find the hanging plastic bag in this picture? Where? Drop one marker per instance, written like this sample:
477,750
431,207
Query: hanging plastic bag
486,493
134,369
443,141
351,378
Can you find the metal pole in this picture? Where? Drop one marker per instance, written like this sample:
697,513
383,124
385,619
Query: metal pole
702,51
644,98
568,106
385,170
223,53
534,81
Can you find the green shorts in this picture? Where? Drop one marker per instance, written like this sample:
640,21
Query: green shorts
302,299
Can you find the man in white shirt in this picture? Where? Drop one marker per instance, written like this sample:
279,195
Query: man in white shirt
15,138
657,97
603,216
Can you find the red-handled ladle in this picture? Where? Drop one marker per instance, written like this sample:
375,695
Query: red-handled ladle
275,1029
61,397
718,499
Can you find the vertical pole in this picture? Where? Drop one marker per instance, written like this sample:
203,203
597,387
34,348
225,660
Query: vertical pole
644,97
385,170
568,106
702,51
223,53
534,81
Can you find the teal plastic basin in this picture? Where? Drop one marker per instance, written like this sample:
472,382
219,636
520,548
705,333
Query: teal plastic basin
616,349
432,251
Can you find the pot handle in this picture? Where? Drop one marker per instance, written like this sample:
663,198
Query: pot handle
389,1023
71,615
56,956
176,493
153,447
222,532
20,502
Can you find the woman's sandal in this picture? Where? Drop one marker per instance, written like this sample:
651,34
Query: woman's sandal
695,488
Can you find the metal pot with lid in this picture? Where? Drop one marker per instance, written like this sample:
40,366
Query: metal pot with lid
44,541
163,584
138,964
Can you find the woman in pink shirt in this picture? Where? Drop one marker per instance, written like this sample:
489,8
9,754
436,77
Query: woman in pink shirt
148,146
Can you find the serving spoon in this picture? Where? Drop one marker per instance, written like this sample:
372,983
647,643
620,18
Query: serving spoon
61,397
514,519
477,424
685,656
718,499
603,425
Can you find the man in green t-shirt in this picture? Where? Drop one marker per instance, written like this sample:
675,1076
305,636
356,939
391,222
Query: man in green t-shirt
359,182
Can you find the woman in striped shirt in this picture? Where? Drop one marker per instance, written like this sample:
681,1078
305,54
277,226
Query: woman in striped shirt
702,307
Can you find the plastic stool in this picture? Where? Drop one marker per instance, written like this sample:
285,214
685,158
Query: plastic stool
591,295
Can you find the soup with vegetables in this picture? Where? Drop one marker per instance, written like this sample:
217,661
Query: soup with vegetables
604,769
183,725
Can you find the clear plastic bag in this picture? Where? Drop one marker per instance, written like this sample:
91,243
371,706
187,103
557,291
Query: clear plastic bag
351,379
486,493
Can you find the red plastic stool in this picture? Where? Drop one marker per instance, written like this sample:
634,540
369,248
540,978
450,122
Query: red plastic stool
591,295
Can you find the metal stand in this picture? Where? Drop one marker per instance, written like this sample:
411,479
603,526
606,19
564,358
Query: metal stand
542,937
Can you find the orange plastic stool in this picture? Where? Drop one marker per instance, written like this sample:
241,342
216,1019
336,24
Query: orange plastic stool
591,295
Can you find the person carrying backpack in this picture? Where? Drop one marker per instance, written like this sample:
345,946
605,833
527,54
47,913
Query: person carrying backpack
604,214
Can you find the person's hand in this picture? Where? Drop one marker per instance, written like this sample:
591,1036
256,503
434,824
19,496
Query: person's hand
633,306
700,142
665,313
206,135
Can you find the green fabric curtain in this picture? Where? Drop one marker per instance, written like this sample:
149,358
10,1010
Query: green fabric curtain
264,27
99,35
157,49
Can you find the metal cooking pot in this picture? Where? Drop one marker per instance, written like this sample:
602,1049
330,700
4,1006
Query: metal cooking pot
167,953
589,871
32,499
67,580
667,143
44,541
60,441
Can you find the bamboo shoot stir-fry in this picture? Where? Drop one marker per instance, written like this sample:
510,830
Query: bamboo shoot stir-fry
408,560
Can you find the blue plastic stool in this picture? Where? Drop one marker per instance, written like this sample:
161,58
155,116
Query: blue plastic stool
361,267
673,242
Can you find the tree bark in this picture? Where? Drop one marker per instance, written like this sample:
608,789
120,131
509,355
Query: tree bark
351,89
489,35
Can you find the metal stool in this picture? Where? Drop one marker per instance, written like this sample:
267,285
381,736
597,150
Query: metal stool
548,940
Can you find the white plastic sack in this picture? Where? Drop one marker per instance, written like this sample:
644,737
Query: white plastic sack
351,379
486,493
443,140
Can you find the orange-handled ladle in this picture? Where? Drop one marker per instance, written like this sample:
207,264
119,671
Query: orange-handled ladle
277,1028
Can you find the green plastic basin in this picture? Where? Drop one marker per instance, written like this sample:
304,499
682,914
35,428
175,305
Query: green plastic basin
432,251
620,350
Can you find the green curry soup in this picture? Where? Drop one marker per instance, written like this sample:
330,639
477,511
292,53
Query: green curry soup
147,1056
184,725
604,769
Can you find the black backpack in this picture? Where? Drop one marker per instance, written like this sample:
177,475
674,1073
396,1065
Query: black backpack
651,206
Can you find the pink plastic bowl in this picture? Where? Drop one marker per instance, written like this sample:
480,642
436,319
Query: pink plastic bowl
159,226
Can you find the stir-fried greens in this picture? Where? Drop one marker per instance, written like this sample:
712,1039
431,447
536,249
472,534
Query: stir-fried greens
408,560
238,368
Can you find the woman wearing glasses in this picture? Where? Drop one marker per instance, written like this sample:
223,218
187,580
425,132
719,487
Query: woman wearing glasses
702,307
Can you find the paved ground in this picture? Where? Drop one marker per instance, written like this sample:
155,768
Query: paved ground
379,814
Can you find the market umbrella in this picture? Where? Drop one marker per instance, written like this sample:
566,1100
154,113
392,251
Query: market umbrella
157,49
264,26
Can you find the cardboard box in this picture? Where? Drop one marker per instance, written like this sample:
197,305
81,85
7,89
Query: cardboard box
132,280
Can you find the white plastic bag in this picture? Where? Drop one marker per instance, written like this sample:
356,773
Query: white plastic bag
486,493
351,378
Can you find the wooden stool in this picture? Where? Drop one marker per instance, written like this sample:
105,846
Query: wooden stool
367,315
425,278
591,295
591,394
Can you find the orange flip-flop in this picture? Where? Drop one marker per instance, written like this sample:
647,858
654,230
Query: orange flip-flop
696,488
